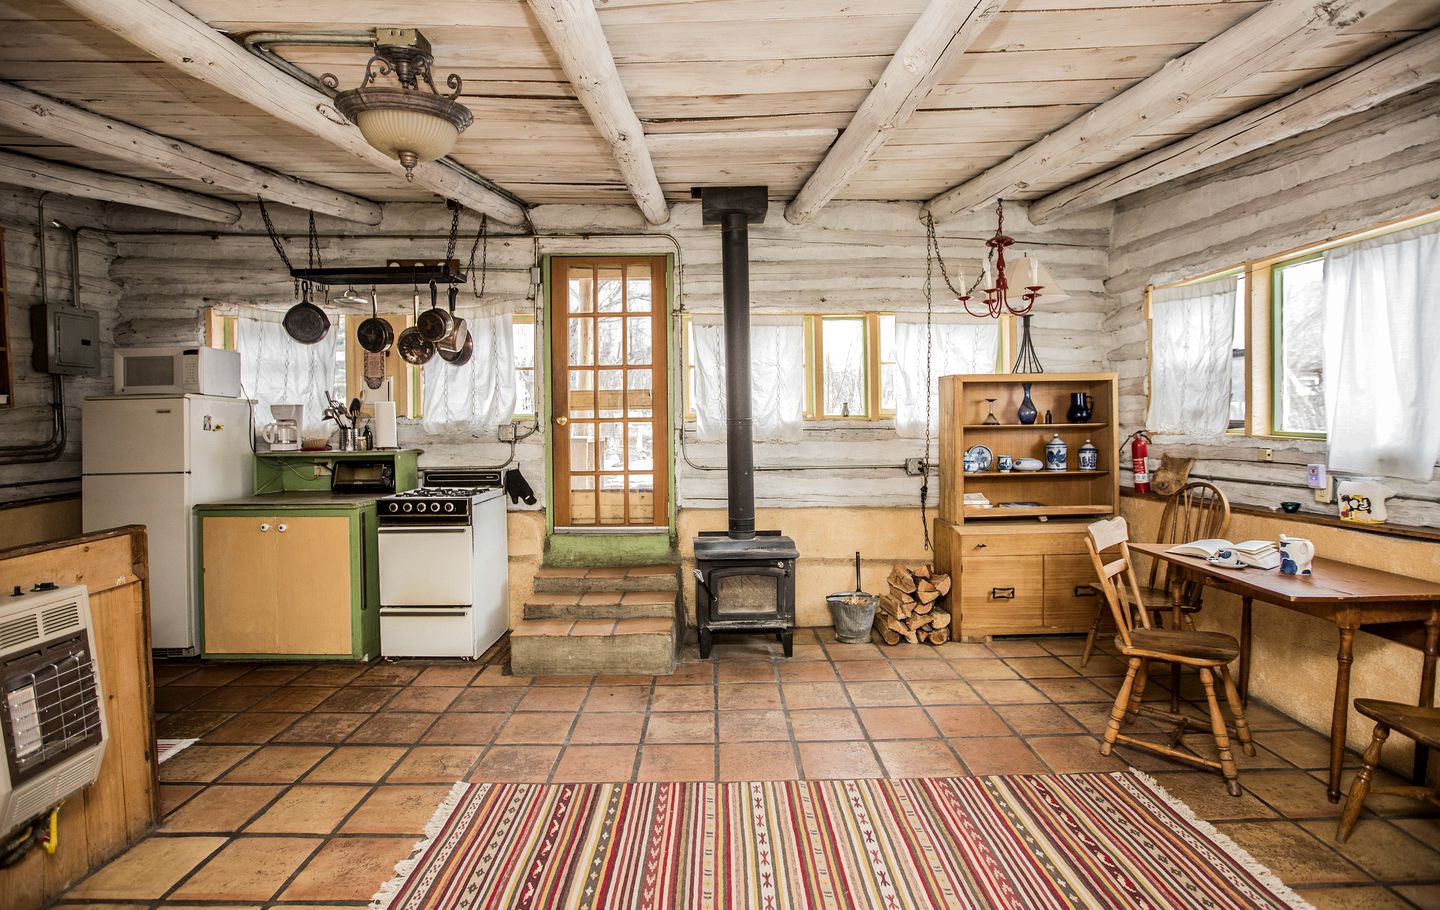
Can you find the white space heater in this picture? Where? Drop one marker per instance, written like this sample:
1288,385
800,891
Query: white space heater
51,711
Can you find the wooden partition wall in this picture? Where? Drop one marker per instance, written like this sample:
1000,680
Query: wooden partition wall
103,820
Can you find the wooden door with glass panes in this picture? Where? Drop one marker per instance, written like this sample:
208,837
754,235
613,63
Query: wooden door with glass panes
608,408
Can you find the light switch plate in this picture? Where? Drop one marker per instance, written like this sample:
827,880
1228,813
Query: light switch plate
1326,493
1316,477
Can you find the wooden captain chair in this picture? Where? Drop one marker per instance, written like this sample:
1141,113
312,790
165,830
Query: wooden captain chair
1199,511
1210,653
1420,724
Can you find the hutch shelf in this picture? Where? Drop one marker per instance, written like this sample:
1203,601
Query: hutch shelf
1020,562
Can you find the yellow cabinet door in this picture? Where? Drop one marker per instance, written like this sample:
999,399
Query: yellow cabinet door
312,571
239,562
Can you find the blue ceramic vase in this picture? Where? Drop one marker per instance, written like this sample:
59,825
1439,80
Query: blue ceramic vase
1027,412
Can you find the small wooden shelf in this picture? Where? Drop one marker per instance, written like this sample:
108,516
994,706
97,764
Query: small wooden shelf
1029,475
1035,426
1000,511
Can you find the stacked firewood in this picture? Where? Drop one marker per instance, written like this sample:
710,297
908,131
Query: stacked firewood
912,610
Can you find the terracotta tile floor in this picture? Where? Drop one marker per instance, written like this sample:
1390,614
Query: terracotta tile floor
311,781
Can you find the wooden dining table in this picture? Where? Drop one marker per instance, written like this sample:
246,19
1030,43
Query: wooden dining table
1347,595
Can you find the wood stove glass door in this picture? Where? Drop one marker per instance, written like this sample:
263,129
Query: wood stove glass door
608,411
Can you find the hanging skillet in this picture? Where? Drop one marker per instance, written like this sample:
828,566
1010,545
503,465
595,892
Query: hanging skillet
435,324
459,331
306,322
414,347
375,334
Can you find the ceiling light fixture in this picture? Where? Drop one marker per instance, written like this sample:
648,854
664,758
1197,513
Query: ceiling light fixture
407,123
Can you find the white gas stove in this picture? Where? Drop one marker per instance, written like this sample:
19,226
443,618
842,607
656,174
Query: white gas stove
444,566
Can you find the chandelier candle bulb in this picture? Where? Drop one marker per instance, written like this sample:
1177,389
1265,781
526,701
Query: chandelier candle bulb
1034,270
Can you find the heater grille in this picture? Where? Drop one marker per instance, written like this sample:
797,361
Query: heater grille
51,706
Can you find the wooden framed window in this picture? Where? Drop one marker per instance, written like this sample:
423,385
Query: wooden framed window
839,367
522,330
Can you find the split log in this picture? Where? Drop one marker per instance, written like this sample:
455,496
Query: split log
887,634
940,619
939,636
902,580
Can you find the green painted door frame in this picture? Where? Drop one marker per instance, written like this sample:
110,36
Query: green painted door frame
606,547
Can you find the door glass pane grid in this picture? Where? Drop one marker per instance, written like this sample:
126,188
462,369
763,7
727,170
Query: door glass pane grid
611,406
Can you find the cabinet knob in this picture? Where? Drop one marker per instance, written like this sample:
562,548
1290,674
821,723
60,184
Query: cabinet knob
280,528
264,526
562,420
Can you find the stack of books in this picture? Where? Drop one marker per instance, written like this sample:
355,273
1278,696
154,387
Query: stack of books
1262,554
976,501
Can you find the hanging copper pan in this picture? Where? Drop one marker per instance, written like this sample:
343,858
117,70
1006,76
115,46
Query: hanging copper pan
413,347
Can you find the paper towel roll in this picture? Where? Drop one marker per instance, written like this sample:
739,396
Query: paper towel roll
384,425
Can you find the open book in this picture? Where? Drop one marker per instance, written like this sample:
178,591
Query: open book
1262,554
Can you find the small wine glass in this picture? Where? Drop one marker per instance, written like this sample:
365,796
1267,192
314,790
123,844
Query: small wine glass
990,418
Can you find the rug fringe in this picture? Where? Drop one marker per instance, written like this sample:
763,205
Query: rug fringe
1236,852
383,898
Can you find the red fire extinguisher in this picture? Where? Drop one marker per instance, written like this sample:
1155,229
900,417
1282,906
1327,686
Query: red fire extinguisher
1139,451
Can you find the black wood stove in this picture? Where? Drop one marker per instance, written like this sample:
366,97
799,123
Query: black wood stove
744,579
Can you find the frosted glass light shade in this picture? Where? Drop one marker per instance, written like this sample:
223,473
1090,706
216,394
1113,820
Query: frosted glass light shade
395,130
1028,272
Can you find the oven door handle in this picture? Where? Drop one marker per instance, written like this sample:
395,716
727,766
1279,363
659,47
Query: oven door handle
418,529
421,611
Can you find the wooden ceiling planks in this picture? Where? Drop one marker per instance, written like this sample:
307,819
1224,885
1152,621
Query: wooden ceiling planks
727,67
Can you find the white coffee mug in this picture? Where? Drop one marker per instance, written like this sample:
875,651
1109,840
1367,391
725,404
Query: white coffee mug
1296,555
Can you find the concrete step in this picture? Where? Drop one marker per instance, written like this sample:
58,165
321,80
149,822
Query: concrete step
582,580
600,605
564,647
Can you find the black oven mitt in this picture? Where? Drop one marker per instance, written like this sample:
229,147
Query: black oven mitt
518,488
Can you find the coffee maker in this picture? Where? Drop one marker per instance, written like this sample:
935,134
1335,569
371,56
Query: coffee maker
284,434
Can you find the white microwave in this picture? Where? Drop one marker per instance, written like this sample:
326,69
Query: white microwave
177,371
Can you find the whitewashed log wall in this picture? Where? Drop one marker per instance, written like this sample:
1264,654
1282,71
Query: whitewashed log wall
28,419
854,257
1373,167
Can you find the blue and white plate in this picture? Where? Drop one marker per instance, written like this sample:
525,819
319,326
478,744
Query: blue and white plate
980,456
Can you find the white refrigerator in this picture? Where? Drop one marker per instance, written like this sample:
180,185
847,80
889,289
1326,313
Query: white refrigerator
149,460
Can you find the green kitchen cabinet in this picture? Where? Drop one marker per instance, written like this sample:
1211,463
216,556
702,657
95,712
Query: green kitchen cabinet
289,576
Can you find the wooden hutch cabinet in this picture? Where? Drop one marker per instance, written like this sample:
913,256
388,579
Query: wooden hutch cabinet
1020,564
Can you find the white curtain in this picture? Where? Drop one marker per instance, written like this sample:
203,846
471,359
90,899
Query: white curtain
957,345
479,395
277,369
1382,354
777,376
1192,331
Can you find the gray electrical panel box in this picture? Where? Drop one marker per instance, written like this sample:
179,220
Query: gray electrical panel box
66,339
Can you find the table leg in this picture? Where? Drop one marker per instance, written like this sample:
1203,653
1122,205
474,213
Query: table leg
1175,614
1427,688
1340,717
1245,608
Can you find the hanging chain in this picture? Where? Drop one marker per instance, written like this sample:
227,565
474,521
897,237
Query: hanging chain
314,242
454,231
929,359
482,235
276,241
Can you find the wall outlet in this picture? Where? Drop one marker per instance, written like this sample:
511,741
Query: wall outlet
507,432
914,466
1267,454
1315,476
1326,493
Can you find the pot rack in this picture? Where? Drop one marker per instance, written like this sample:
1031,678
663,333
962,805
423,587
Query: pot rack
394,271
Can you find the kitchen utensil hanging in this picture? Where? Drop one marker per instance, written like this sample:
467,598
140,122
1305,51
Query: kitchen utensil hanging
374,370
375,335
306,322
459,330
415,348
435,324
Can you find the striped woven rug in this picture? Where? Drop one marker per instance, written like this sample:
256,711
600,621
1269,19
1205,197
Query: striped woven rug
1024,842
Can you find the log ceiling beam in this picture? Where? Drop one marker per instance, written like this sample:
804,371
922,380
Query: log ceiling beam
51,176
1255,44
171,34
41,116
572,28
1393,72
944,31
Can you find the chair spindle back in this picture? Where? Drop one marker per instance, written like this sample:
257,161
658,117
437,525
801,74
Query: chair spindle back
1117,576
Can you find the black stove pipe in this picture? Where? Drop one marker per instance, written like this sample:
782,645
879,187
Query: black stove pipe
739,424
